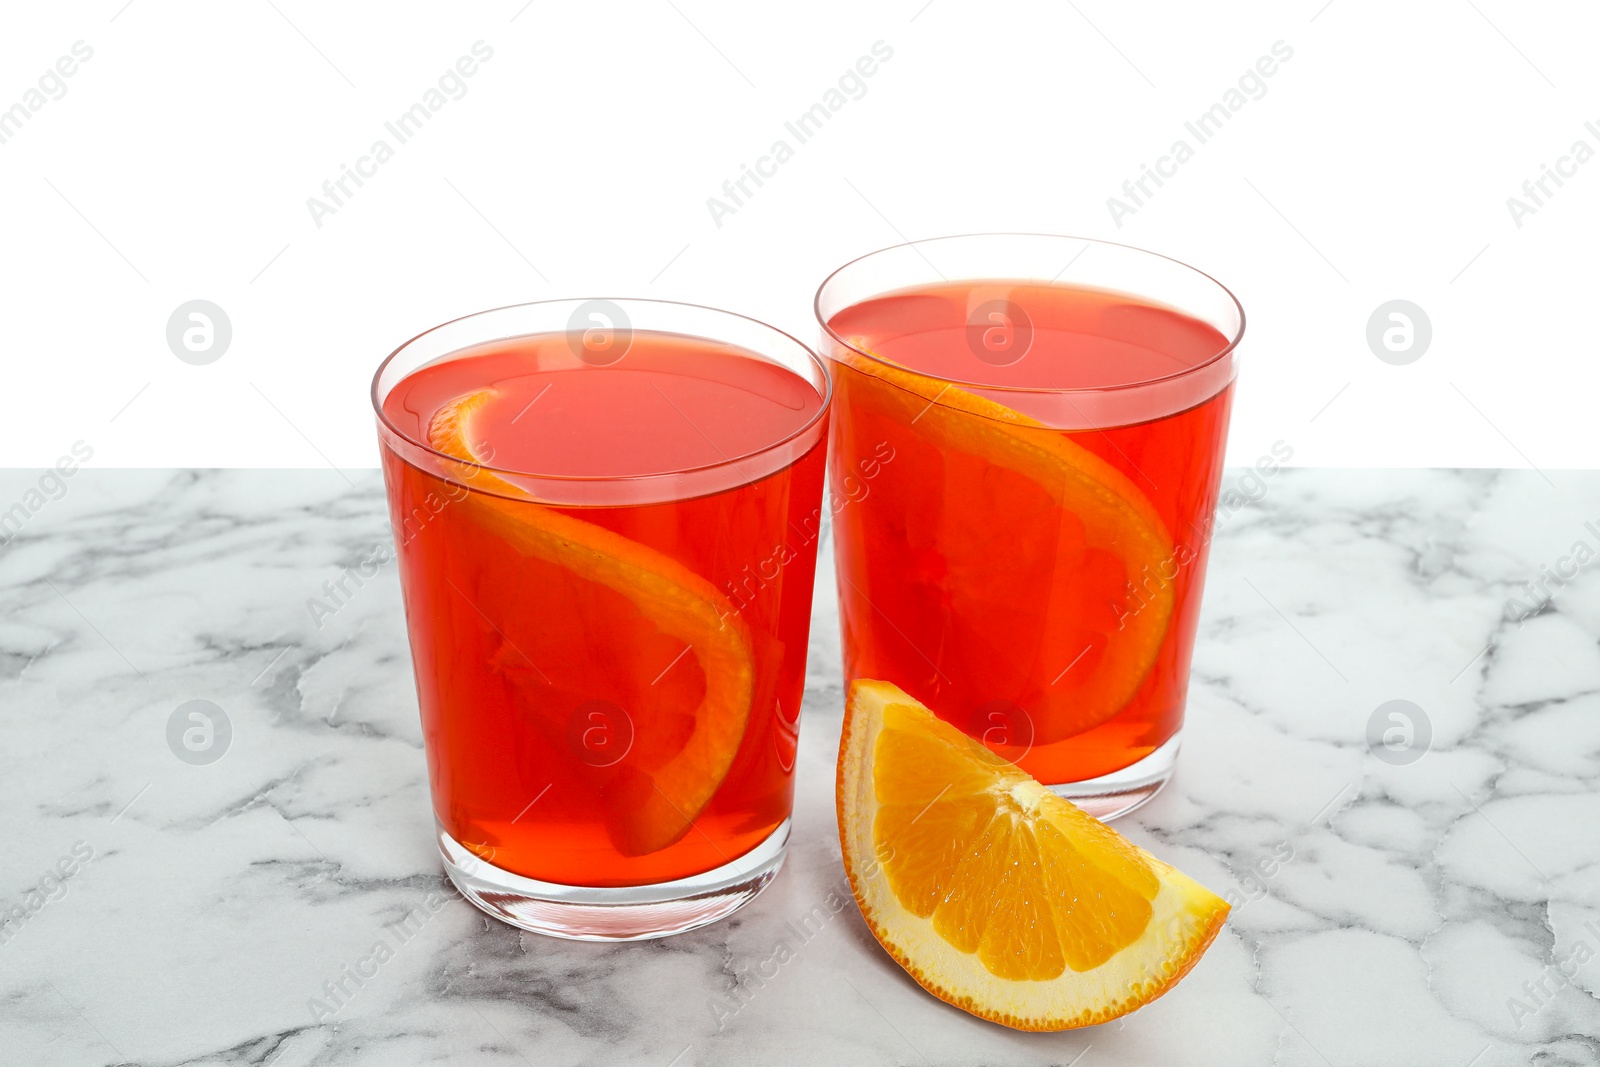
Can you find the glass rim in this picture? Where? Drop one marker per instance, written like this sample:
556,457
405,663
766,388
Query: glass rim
474,466
1211,360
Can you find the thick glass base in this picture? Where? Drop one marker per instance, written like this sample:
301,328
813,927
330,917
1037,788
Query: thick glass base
625,913
1119,792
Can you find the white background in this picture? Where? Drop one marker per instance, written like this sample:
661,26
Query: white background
1378,165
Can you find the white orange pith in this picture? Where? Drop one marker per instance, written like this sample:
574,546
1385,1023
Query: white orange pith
995,894
678,601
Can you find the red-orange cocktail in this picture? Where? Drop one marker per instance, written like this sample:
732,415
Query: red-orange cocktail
607,545
1030,566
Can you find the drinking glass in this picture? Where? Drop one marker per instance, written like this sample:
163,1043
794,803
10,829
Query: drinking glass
606,515
1029,433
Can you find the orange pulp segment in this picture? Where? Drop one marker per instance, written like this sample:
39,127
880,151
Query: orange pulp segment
995,894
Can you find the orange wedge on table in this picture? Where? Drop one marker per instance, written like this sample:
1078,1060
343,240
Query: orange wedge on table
995,894
1077,572
677,601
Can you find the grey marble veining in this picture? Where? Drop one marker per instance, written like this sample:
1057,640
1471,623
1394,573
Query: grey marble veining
1432,905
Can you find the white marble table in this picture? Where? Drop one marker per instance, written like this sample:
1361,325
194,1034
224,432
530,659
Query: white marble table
1438,911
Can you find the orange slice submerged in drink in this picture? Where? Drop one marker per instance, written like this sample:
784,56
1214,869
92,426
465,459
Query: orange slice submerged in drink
1025,532
676,757
995,894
